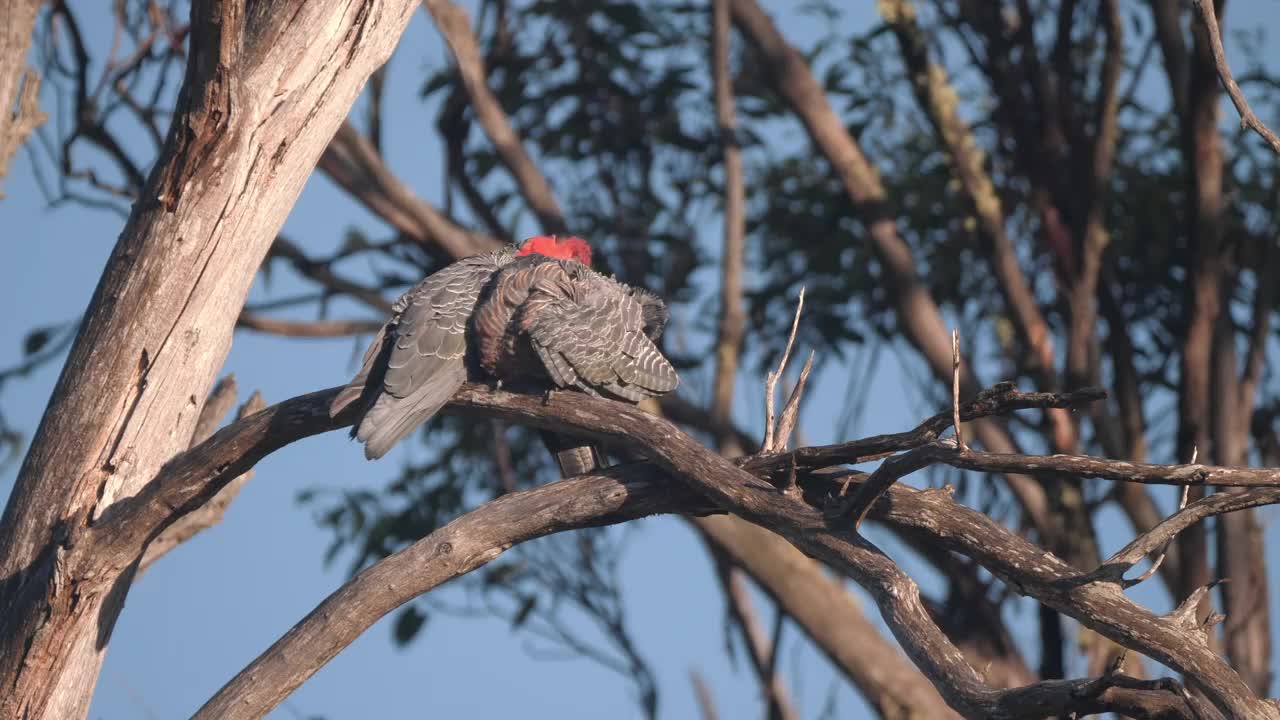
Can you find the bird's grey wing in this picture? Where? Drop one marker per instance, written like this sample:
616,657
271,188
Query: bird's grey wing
424,347
598,345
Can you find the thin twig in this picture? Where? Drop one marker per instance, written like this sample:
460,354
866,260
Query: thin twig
312,329
955,389
791,411
771,380
705,702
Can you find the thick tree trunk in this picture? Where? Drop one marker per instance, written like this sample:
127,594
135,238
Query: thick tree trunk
263,95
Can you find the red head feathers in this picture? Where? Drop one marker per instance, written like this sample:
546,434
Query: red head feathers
566,248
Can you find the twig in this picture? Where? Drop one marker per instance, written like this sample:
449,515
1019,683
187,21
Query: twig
771,380
322,273
955,389
1164,551
791,411
1248,120
705,703
312,329
898,466
999,399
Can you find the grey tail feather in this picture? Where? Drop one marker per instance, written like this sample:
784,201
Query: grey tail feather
391,418
573,455
361,387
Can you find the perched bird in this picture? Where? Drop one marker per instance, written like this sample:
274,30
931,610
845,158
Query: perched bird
537,316
559,322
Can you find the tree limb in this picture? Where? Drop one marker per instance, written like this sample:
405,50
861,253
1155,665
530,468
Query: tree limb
1095,602
355,164
455,27
1248,120
469,542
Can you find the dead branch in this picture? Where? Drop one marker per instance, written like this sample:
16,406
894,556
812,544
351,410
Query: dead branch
999,399
1248,120
355,164
771,439
1091,600
309,329
212,512
463,545
455,27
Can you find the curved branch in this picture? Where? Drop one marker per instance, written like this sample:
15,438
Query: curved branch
467,543
1096,602
1248,119
354,163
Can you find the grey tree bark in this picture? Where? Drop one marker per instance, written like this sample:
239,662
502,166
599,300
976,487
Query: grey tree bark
19,85
266,87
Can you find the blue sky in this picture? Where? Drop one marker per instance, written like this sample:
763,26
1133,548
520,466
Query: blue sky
203,612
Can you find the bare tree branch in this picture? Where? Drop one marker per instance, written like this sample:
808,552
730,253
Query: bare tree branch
1093,601
1248,120
354,164
455,27
459,547
309,329
212,512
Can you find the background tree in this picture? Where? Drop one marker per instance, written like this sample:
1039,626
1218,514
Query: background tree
1055,179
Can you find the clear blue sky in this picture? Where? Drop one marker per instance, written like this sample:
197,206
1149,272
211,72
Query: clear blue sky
203,612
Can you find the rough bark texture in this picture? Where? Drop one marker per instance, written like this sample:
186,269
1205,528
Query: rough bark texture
262,97
1094,598
19,85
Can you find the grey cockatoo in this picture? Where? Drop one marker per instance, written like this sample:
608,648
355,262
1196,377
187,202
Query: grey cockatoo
538,315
